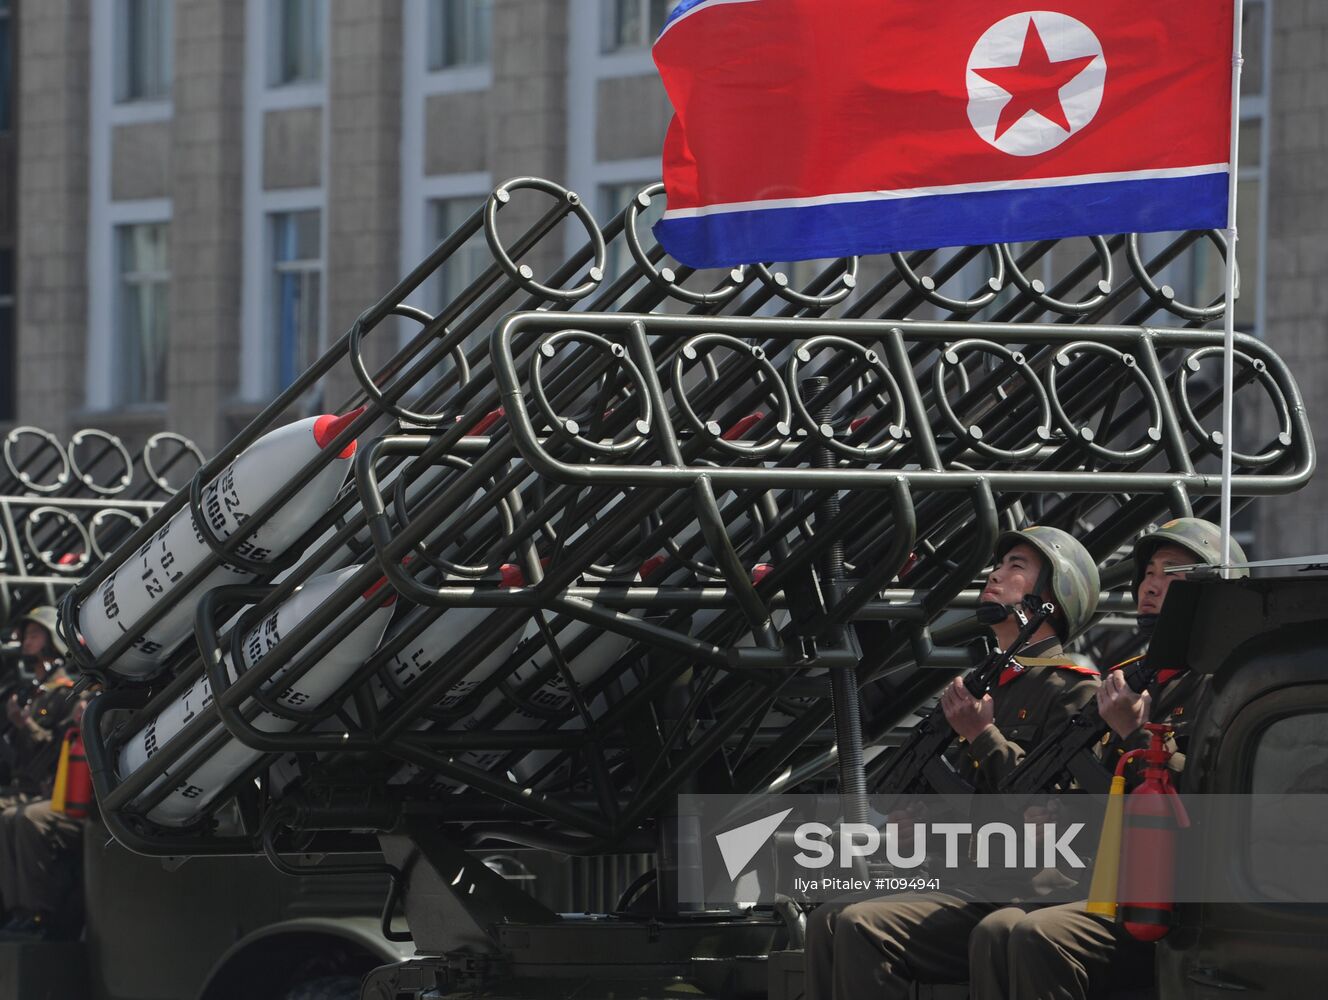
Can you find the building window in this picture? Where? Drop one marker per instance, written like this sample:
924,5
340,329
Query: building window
6,61
297,274
632,24
143,314
295,37
460,33
456,273
143,44
613,198
8,354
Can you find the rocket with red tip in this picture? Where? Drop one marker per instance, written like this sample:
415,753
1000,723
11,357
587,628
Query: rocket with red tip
150,575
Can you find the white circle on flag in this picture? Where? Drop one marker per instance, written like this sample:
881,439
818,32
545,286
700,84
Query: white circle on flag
1066,40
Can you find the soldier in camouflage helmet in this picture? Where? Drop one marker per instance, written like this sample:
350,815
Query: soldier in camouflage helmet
1064,951
880,947
1068,572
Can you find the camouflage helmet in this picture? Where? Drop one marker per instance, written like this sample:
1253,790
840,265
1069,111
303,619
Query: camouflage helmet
1202,539
1074,579
45,617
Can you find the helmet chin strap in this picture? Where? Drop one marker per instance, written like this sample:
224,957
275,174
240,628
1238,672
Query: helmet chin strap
991,613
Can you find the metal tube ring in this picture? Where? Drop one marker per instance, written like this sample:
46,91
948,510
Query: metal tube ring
972,433
30,523
1084,435
1165,295
665,277
114,444
374,391
1212,440
151,467
47,440
438,562
566,427
872,362
100,519
522,274
1036,290
848,281
925,285
692,350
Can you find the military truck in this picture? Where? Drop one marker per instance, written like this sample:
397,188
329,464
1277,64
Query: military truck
575,545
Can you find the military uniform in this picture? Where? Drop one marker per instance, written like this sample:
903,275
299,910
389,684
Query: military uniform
877,948
1061,951
34,748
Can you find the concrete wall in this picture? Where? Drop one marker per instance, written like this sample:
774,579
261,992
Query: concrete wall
141,161
292,148
52,196
364,153
206,184
1296,290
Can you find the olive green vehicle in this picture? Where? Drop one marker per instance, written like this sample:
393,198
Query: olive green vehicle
648,534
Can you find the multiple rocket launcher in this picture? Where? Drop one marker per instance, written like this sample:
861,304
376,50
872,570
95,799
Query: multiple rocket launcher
158,568
601,425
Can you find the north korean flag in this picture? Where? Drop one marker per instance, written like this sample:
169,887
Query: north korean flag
826,128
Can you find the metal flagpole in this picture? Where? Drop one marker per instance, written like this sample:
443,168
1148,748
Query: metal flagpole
1229,341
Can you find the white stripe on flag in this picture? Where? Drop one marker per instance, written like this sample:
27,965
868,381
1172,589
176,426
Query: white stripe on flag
922,192
699,7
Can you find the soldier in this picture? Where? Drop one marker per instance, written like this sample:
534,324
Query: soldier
42,885
1062,951
879,947
37,718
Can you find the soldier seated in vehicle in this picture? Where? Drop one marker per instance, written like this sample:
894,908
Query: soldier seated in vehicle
37,716
45,839
1063,951
880,947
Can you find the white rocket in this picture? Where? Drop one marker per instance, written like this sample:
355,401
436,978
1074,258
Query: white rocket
150,574
195,790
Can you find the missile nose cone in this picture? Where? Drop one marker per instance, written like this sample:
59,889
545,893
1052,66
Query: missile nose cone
329,425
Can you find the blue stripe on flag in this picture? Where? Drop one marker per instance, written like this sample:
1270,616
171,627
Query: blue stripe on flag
928,221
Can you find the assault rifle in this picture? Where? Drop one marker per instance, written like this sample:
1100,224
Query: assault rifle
917,764
1067,754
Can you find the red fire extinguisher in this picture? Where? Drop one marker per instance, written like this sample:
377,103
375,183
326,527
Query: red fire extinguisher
73,779
1153,815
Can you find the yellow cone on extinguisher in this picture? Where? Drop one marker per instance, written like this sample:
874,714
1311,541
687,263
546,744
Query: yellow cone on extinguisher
1106,870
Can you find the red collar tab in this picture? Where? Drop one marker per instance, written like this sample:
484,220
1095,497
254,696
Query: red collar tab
1165,677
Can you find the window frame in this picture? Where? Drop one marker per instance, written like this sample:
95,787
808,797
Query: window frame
274,269
7,67
121,60
610,25
436,38
8,358
275,46
120,281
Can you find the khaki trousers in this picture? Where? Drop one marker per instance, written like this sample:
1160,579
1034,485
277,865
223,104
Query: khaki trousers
1054,953
48,849
878,948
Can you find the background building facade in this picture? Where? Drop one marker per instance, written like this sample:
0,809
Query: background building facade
197,196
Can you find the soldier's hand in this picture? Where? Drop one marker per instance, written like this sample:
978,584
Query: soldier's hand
1120,707
14,710
968,716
